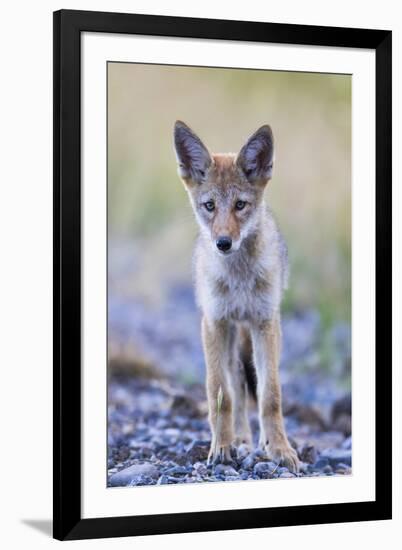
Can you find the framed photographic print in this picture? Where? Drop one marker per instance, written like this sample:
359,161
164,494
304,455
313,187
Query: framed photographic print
222,274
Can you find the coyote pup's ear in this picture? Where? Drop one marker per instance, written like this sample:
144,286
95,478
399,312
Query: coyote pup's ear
257,155
193,157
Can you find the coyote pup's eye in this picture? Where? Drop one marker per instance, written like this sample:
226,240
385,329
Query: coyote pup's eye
240,205
209,206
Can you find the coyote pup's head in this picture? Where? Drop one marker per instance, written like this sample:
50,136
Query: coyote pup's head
225,189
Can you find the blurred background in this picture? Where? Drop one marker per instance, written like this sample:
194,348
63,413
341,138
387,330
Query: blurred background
153,322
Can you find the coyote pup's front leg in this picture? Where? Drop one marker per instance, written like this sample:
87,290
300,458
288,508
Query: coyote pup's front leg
267,343
215,336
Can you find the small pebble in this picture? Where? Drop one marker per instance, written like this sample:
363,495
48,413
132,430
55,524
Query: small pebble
225,470
232,478
259,453
176,470
321,463
287,475
200,468
336,456
163,480
141,480
198,450
308,453
172,479
264,469
248,463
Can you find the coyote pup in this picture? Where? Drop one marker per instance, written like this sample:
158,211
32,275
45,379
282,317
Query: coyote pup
240,272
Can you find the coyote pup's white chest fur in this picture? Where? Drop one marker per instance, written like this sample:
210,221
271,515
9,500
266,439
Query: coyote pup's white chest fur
246,286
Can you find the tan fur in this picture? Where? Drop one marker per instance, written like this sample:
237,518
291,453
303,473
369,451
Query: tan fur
239,292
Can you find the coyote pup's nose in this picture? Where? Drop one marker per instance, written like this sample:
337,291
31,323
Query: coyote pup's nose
224,243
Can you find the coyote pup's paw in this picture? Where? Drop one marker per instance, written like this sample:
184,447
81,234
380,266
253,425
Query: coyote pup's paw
219,454
284,454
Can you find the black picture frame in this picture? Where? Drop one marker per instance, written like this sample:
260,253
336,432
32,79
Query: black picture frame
68,26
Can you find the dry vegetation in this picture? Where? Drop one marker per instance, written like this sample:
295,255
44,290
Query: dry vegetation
310,193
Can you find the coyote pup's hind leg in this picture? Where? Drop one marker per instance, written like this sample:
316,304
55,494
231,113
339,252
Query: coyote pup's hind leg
239,350
216,342
240,406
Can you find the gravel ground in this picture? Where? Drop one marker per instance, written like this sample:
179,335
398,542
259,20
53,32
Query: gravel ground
158,434
158,430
